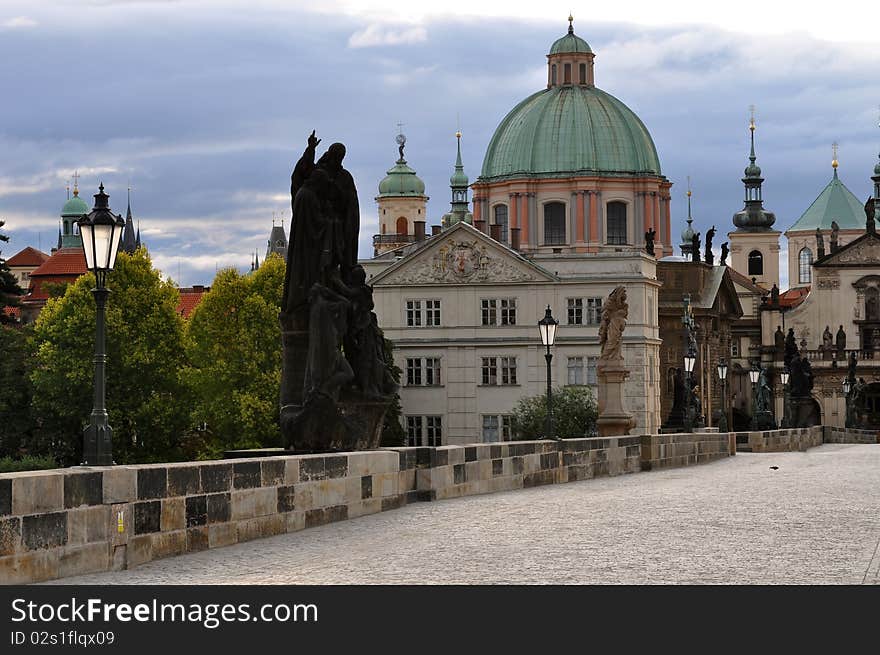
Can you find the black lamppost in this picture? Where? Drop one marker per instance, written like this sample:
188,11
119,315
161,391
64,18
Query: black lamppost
783,377
690,359
847,388
754,375
722,375
101,232
547,326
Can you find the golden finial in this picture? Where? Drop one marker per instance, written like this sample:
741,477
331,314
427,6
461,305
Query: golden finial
570,21
458,134
75,183
834,162
752,117
689,186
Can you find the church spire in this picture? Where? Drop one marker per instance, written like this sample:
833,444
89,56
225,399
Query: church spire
458,182
688,233
129,238
753,217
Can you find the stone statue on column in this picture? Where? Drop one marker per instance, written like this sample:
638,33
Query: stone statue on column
613,419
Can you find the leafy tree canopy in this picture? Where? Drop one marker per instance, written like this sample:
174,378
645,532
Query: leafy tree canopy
574,414
9,289
234,346
145,358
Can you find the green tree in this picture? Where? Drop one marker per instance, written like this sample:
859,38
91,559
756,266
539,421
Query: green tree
9,289
15,390
234,347
147,402
574,414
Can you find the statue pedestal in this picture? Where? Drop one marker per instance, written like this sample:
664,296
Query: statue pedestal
613,419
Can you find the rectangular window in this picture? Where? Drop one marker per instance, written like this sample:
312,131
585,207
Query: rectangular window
575,370
734,347
435,430
506,427
583,73
432,313
413,313
566,73
508,311
508,370
575,311
490,428
432,371
498,311
501,219
414,371
422,313
490,370
594,311
592,370
487,311
413,430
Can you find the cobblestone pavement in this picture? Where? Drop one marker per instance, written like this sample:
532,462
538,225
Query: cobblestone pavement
814,520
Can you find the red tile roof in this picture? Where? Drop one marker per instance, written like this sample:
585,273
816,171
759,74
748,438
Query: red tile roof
793,297
746,282
13,312
190,297
67,261
27,257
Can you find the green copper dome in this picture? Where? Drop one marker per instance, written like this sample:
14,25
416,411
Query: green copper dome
76,206
401,181
569,43
568,130
835,203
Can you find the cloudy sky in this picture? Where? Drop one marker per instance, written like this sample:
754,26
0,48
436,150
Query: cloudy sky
204,106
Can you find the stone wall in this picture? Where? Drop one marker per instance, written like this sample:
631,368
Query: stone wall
850,435
67,522
775,441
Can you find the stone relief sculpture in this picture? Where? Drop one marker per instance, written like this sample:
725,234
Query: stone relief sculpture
614,314
336,384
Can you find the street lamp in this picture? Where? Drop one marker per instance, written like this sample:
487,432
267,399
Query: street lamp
754,375
690,359
101,232
785,414
548,326
722,375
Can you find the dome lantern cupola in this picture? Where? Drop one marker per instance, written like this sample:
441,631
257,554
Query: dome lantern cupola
73,210
458,182
570,61
687,234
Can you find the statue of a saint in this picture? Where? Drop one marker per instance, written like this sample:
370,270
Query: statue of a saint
724,251
870,223
779,341
649,241
791,348
695,247
764,396
835,229
614,313
841,342
774,295
708,255
827,339
820,244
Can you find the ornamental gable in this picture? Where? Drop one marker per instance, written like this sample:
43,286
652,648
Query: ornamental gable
864,252
462,255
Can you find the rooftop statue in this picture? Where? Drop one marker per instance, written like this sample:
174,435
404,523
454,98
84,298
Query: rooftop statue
724,252
708,255
614,314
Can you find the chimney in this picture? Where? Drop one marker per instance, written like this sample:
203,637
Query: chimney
514,238
436,229
420,230
480,225
495,232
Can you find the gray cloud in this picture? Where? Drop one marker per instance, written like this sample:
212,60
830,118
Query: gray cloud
205,114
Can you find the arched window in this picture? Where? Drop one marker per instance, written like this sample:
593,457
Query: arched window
566,75
805,263
616,222
402,225
872,304
583,73
553,75
501,219
554,224
756,263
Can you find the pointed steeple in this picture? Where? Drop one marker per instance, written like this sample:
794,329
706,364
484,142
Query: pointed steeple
129,239
753,217
459,185
688,233
138,237
256,260
59,235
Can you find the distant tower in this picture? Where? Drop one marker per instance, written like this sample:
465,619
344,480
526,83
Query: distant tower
402,206
277,241
754,245
459,185
129,236
687,235
74,209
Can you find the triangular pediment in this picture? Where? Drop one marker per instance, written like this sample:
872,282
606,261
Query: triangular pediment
462,255
864,252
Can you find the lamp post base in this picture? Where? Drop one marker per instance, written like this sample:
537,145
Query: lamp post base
97,442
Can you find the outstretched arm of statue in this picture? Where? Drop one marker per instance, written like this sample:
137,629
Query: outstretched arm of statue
304,166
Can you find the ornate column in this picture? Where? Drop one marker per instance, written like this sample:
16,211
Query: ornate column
514,215
478,209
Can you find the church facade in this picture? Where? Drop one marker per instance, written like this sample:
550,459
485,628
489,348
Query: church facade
560,212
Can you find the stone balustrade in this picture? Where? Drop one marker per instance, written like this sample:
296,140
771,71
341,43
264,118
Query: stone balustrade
79,520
